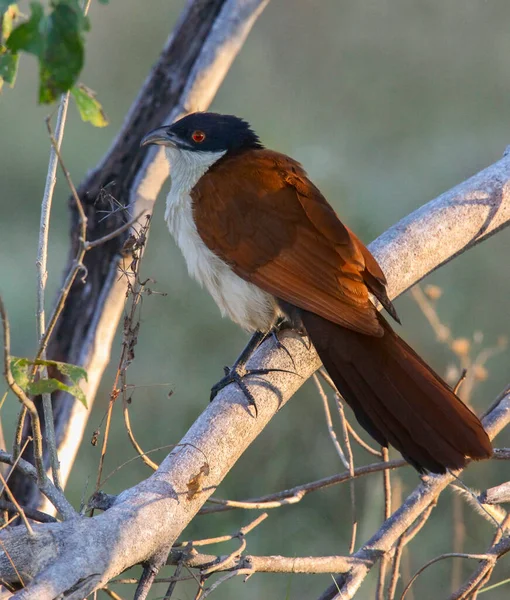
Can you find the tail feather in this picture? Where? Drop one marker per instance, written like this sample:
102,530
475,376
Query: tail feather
397,397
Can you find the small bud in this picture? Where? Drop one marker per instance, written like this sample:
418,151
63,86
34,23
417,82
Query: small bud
433,292
461,346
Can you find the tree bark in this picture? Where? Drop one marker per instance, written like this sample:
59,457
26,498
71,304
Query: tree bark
190,68
78,556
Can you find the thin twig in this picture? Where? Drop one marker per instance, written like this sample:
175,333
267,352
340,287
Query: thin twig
387,513
295,494
143,455
329,422
324,374
439,558
225,578
361,442
31,513
350,459
112,235
18,434
241,536
46,486
42,275
223,538
459,535
22,397
112,594
460,381
78,261
175,579
12,563
130,333
41,264
21,512
397,553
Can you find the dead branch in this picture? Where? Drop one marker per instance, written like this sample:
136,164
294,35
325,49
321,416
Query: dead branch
78,556
417,502
297,493
189,70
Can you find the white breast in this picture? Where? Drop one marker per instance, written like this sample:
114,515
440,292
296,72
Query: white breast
243,302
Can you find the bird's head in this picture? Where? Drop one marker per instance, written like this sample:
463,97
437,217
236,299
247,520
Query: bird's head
205,132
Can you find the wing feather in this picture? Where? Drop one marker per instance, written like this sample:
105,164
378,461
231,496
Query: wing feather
261,214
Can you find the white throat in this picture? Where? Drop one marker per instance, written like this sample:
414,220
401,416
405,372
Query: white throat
243,302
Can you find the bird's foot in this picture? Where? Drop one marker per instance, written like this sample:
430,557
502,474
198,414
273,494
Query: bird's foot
280,345
236,374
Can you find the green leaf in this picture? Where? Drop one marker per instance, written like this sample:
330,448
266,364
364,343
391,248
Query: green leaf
21,371
103,1
8,68
47,386
90,109
29,36
7,17
63,55
57,41
74,372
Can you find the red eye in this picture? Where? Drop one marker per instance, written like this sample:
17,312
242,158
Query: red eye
198,136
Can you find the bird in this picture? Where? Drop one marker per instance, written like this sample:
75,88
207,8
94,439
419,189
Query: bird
269,248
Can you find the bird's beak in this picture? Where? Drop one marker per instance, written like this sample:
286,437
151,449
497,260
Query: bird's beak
159,136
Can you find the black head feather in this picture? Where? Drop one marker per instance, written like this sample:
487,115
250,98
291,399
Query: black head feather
212,132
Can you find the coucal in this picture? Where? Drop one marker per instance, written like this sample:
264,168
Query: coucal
263,240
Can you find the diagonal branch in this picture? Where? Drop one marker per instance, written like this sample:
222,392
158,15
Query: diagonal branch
190,68
77,557
418,501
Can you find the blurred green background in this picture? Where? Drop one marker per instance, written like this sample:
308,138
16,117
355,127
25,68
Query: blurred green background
387,103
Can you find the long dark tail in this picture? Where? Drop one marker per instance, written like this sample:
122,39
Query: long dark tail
397,397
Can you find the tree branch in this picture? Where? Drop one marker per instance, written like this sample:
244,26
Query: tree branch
418,501
82,555
191,67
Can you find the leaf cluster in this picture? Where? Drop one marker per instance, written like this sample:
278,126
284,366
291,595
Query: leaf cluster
21,369
56,38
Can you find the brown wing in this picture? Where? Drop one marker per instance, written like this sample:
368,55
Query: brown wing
260,214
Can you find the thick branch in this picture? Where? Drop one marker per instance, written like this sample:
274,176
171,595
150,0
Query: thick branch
191,67
266,564
397,524
85,554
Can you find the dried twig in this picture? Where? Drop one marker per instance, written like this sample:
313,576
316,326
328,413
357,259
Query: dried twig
329,422
135,289
499,547
226,577
387,512
428,491
42,259
352,489
21,512
324,374
295,494
48,489
439,558
176,577
402,542
31,513
22,397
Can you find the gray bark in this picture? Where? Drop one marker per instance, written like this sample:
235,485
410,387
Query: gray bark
189,70
78,556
